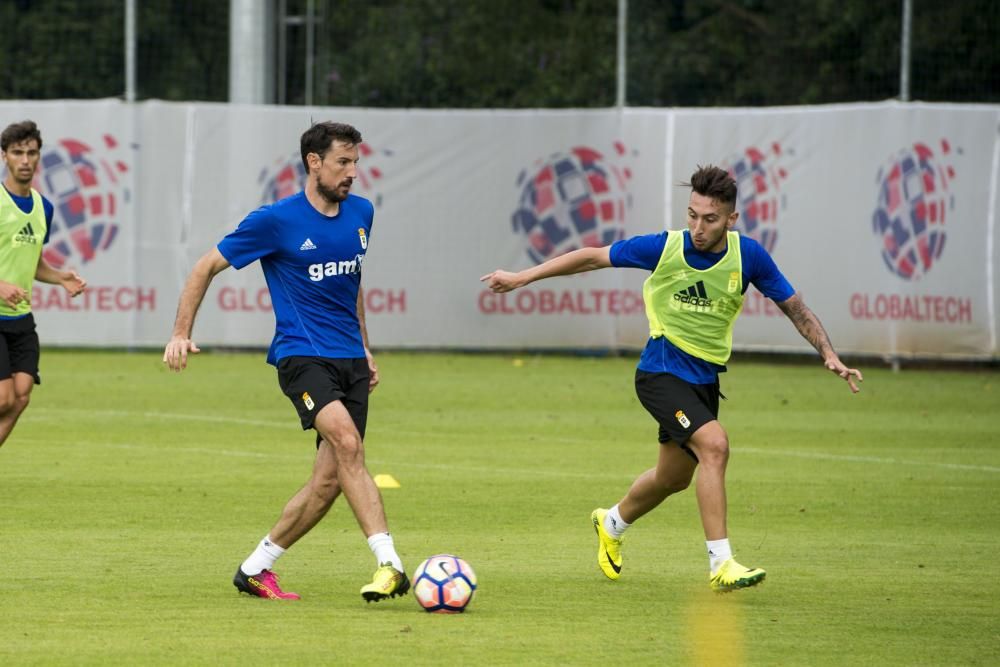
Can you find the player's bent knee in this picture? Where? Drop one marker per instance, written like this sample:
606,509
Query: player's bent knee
348,449
714,450
672,486
326,490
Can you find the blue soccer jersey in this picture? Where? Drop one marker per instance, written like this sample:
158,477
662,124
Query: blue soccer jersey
643,252
312,265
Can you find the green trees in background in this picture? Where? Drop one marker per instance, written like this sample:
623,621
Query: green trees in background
519,53
52,49
71,49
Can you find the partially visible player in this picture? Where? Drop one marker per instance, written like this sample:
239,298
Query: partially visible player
693,297
311,246
25,220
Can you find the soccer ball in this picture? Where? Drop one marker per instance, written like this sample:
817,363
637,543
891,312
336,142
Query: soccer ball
444,584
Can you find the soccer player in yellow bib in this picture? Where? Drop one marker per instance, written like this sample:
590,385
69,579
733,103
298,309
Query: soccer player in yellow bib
692,297
25,218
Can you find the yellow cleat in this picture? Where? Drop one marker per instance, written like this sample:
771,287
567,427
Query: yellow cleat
609,549
732,575
388,582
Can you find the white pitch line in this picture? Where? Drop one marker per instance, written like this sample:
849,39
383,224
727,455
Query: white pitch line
375,461
289,425
865,459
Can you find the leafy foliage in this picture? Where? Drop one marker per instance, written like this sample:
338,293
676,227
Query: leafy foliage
517,53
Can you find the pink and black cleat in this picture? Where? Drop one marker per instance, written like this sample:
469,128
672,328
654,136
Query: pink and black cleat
263,585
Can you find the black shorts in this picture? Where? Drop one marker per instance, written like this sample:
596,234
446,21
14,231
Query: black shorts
679,407
19,349
313,382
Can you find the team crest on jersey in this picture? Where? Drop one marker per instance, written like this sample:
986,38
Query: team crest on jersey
363,237
682,419
734,281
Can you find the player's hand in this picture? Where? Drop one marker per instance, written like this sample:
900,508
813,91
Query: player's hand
835,365
73,283
11,294
502,281
176,354
373,377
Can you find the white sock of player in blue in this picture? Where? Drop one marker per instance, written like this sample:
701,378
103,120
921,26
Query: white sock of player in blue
384,550
719,552
614,524
263,557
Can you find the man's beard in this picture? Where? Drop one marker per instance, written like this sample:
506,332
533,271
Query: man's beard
332,195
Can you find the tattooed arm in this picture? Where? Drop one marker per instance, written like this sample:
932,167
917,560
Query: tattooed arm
809,326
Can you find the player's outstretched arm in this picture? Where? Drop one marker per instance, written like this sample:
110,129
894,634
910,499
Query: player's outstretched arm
577,261
205,269
812,330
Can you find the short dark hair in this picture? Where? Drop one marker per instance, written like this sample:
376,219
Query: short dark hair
716,183
317,139
15,133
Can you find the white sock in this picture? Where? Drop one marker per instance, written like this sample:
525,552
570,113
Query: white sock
384,550
719,552
263,557
614,523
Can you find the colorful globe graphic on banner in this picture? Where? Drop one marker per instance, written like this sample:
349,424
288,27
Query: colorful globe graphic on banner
759,198
572,200
87,188
288,176
913,202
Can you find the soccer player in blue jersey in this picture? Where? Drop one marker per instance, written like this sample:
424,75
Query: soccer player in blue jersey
25,221
311,246
693,297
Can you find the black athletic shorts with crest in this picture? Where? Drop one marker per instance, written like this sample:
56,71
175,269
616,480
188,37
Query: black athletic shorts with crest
679,407
19,348
311,383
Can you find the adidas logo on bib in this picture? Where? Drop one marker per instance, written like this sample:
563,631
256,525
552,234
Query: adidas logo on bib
25,237
695,295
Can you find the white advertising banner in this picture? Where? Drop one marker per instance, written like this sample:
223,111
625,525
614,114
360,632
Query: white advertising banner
879,215
883,216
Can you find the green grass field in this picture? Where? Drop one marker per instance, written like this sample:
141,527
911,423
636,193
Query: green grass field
129,495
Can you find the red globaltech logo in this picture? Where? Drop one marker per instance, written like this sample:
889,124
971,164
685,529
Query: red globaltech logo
570,200
88,185
914,203
912,208
760,173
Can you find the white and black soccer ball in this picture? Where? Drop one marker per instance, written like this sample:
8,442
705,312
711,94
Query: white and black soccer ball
444,584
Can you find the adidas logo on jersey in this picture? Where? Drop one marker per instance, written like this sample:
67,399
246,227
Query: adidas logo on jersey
25,236
307,245
694,295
